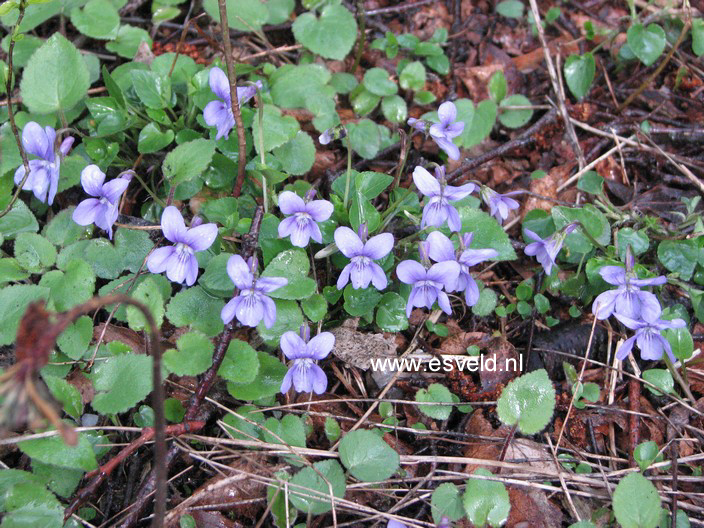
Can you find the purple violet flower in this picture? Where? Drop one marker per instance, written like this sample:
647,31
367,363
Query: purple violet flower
43,172
428,283
627,300
444,132
651,343
441,249
305,375
499,204
302,225
179,260
219,113
251,305
438,209
362,253
418,124
393,523
546,250
100,210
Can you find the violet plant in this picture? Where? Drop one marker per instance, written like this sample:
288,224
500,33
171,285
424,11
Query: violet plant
437,209
546,250
304,374
302,224
441,249
154,121
251,305
102,209
362,253
219,113
43,178
429,283
179,260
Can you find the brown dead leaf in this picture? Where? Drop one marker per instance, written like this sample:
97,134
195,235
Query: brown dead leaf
503,356
479,426
610,169
120,333
532,509
83,384
358,348
456,344
529,453
546,186
430,18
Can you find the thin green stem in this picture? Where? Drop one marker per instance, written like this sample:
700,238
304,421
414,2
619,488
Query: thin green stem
349,172
149,191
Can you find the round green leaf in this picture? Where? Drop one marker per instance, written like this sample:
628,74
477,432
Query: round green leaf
331,35
296,155
54,451
315,307
280,10
394,108
412,76
510,8
391,313
98,19
193,306
292,265
528,401
367,457
74,286
310,493
647,43
636,502
436,393
446,502
478,128
34,252
241,364
266,384
188,161
579,73
488,234
378,82
515,118
149,294
638,240
679,256
121,382
74,341
645,454
151,139
365,138
361,301
193,355
288,317
56,77
661,378
486,501
128,40
698,36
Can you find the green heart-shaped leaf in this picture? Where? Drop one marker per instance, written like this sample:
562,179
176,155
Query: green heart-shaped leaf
647,43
